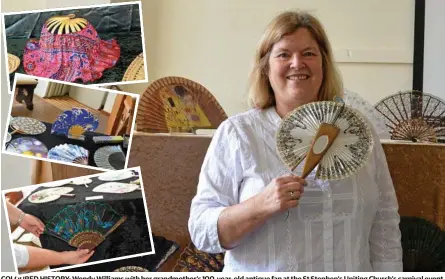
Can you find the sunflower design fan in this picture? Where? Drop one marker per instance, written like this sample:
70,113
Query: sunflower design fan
414,116
174,104
74,123
328,134
84,225
65,24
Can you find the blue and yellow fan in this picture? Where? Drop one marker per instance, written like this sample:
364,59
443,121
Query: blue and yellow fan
84,225
74,123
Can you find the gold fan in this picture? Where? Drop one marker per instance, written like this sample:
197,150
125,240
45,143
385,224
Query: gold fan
13,63
65,24
175,104
136,69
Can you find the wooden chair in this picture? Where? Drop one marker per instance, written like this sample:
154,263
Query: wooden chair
121,118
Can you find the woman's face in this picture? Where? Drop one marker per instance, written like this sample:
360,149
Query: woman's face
296,69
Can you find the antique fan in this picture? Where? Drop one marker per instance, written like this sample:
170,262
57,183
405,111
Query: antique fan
74,123
328,134
69,153
414,116
84,225
65,24
423,245
175,104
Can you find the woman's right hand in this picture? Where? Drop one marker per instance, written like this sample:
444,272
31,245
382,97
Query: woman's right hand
282,193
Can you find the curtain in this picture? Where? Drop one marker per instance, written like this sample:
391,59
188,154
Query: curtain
56,90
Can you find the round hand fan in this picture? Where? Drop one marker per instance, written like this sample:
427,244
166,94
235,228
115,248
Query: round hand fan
414,116
28,146
110,157
27,125
84,225
423,245
174,104
75,123
116,175
49,195
81,181
136,70
65,24
69,153
116,188
13,63
131,268
329,134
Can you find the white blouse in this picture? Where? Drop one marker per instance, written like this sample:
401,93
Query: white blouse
346,225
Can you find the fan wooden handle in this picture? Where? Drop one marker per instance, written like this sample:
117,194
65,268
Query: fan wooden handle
326,135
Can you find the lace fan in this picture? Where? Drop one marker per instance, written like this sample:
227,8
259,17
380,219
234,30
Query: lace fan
329,134
414,116
74,123
179,105
84,225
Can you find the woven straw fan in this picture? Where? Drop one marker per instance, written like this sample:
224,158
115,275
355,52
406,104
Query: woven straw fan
65,24
178,104
13,63
328,134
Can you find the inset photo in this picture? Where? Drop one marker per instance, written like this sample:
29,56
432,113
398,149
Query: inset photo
72,124
80,221
89,45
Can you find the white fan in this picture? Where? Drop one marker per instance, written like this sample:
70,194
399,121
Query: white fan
330,134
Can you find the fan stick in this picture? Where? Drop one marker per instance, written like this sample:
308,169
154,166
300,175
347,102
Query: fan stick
323,140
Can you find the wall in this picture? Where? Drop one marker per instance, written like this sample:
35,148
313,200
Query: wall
90,97
213,42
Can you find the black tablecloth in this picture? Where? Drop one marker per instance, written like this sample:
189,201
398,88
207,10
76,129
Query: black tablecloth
52,140
132,237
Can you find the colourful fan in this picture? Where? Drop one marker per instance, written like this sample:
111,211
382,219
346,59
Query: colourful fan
328,134
74,123
28,146
84,225
69,153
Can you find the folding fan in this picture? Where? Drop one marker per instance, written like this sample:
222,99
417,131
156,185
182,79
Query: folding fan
174,104
423,245
110,157
414,116
74,123
328,134
69,153
84,225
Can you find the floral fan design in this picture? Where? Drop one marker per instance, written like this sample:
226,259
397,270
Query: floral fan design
69,153
329,134
84,225
414,116
74,123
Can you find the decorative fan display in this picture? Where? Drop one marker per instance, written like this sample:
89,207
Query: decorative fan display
27,125
49,195
131,268
423,245
28,146
69,153
74,123
174,104
69,49
329,134
13,63
110,157
414,116
84,225
116,188
116,175
136,70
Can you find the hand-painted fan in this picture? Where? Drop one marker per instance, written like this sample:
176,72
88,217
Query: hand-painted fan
74,123
69,153
51,194
174,104
328,134
28,146
116,188
84,225
116,175
27,125
414,116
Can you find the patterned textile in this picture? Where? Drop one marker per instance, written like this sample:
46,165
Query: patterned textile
193,260
68,57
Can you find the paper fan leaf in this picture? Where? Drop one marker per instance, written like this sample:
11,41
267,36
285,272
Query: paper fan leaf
84,225
178,104
75,122
69,153
349,151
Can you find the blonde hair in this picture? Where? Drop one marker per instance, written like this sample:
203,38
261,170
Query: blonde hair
261,94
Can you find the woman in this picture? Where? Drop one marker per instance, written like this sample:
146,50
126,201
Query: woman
245,191
29,257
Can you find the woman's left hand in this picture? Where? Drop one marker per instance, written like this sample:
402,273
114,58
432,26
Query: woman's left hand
32,224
